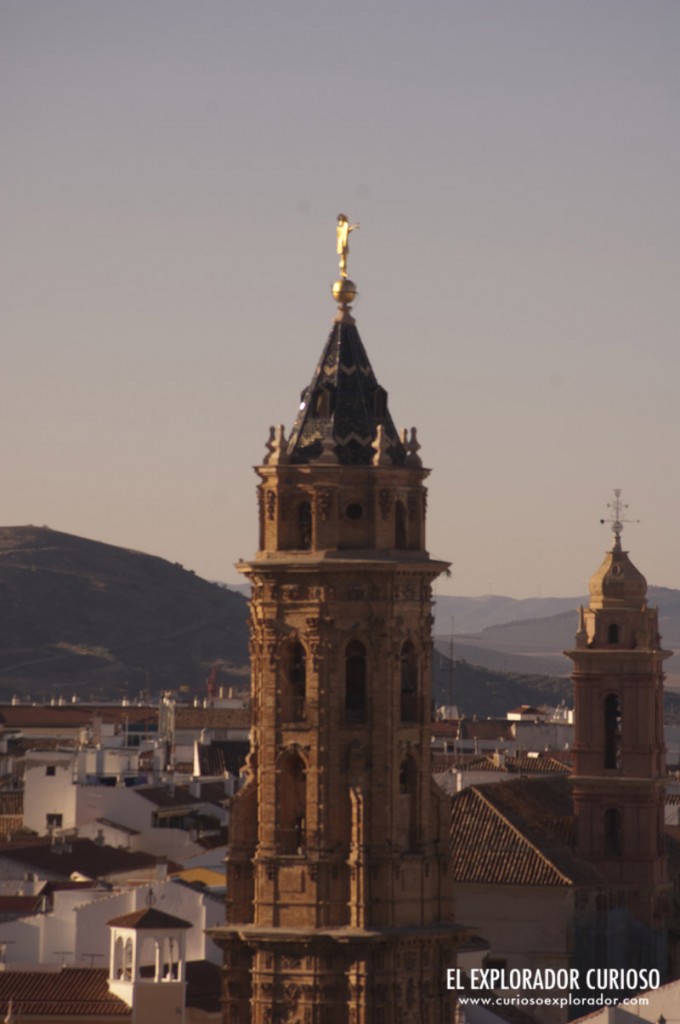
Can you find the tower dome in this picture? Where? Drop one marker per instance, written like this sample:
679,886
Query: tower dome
617,583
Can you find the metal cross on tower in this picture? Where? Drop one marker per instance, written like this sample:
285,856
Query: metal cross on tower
616,517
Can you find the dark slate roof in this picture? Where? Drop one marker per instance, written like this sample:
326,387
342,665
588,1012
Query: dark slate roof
222,756
356,406
149,919
204,981
488,729
517,833
81,855
19,906
70,992
181,796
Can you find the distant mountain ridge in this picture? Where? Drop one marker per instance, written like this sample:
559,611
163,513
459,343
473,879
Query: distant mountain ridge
83,616
541,629
80,616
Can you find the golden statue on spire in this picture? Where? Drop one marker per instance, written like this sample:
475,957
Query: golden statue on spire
343,229
344,291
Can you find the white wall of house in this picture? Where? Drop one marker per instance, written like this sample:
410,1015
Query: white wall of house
455,779
544,735
49,792
526,926
75,932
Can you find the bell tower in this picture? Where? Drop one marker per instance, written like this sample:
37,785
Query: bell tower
339,906
619,755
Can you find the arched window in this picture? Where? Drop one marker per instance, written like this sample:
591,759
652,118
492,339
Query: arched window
305,526
127,961
612,633
380,403
408,804
118,958
293,683
409,683
400,527
612,832
355,682
612,731
291,802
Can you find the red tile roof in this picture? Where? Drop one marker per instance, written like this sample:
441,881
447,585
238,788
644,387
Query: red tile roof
517,833
77,855
72,991
149,919
19,906
518,764
11,801
211,718
73,716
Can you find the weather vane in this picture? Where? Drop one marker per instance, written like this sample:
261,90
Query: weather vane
616,517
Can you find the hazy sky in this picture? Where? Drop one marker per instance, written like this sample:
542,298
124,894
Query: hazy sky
170,179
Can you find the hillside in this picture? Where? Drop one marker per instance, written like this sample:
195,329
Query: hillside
489,694
79,616
528,643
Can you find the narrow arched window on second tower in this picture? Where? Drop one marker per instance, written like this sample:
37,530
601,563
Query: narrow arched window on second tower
409,683
291,804
400,526
408,804
294,683
304,523
355,682
612,731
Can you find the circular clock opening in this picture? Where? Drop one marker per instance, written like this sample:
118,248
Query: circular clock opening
354,511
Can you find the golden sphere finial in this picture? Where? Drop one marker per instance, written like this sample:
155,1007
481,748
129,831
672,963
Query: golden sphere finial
344,291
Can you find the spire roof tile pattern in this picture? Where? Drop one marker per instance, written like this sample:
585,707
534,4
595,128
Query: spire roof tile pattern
344,403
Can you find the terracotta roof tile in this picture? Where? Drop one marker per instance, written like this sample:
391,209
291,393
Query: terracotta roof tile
502,834
72,991
11,801
489,729
149,918
78,855
212,718
19,906
73,716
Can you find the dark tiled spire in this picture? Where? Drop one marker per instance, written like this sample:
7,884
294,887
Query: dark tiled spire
343,406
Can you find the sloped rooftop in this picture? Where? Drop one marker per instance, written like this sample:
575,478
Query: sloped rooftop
70,992
517,833
149,919
77,855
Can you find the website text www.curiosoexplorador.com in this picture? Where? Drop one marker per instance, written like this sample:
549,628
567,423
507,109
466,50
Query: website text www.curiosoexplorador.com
558,988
